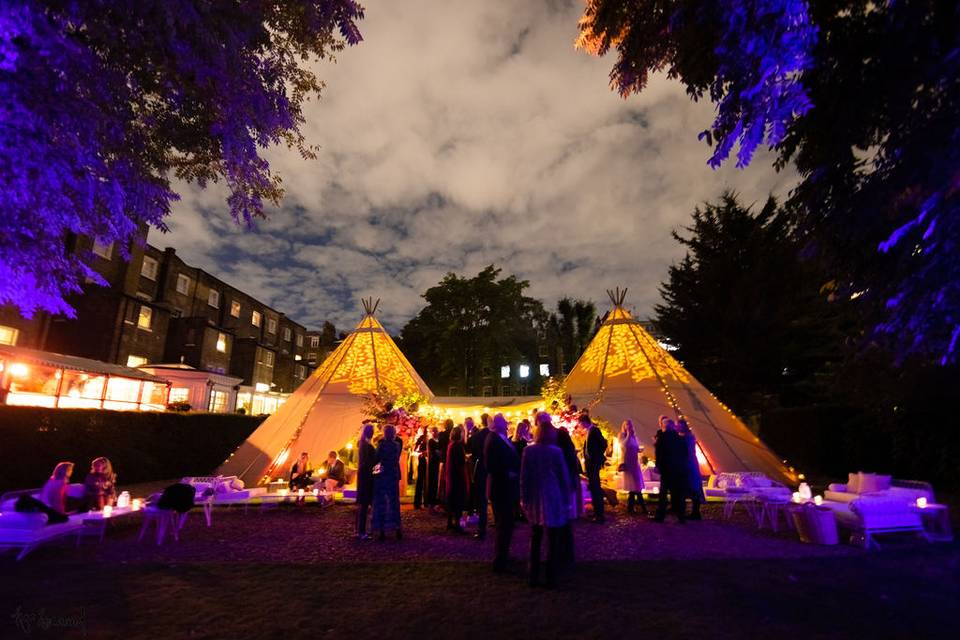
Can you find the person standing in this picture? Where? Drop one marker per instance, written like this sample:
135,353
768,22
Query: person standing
366,461
632,477
671,456
544,494
456,479
434,458
694,481
420,456
477,445
386,485
595,456
574,470
444,442
503,472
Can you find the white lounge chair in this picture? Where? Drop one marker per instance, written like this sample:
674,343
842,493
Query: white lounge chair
27,531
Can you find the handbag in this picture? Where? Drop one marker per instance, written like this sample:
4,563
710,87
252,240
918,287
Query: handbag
377,469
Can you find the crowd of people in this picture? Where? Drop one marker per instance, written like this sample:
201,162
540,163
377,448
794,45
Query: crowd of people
532,475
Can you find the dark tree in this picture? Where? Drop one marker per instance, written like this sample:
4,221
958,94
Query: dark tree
863,97
744,311
472,326
570,329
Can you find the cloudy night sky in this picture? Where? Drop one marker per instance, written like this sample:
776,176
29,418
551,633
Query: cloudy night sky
461,134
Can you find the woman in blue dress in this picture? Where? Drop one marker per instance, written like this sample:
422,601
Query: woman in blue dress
386,485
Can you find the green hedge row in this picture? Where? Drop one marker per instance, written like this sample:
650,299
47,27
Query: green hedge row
143,446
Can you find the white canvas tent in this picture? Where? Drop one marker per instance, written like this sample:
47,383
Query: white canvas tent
327,410
629,375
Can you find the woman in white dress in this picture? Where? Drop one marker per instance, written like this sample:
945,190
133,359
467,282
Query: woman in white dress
632,476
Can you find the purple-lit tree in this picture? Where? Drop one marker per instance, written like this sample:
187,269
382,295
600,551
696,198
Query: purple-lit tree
863,97
104,102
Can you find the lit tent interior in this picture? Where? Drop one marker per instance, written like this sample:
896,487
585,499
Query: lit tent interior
627,374
328,408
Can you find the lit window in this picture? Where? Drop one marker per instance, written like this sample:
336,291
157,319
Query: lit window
312,357
213,298
145,317
524,371
136,361
103,249
149,268
268,358
235,309
544,370
505,371
287,334
222,342
298,357
8,335
183,284
179,394
218,401
271,325
314,341
299,339
256,318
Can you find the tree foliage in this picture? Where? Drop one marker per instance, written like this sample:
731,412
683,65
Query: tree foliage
570,329
743,309
863,97
469,327
106,101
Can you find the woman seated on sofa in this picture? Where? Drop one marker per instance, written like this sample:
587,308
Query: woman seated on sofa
52,498
300,473
100,484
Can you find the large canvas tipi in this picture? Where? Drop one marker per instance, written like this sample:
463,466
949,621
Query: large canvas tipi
328,408
629,375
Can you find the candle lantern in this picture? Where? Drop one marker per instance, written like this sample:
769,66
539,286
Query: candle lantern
107,510
818,500
922,502
805,491
135,505
124,500
796,496
300,493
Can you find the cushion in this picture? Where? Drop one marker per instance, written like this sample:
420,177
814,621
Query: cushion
869,483
853,482
14,520
884,482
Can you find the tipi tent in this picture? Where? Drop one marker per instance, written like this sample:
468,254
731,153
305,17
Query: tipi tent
327,410
629,375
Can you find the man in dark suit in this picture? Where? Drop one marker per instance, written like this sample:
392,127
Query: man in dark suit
420,453
502,467
366,461
444,441
595,456
433,466
670,453
475,446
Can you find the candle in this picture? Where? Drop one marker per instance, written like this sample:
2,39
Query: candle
796,496
284,492
316,492
922,503
805,491
135,505
300,493
107,510
818,500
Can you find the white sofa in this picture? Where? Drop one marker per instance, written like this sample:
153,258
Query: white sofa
27,531
744,483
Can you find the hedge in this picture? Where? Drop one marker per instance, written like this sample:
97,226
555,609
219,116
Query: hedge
143,446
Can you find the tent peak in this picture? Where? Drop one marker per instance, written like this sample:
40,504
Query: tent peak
617,296
369,305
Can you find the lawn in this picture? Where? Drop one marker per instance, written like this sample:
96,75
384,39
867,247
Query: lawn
296,572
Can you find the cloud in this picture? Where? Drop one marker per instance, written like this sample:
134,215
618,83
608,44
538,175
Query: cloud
460,134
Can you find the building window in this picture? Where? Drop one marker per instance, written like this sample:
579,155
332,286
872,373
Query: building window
543,350
505,371
222,342
103,249
256,318
179,394
286,334
213,298
299,339
268,358
183,284
271,325
314,341
312,357
544,370
149,268
8,335
301,371
136,361
218,401
145,317
524,371
235,309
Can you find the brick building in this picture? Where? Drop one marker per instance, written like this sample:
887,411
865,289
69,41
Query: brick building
157,309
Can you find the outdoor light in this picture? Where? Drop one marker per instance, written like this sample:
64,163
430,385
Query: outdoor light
107,510
921,503
300,493
123,500
18,370
796,496
505,371
349,446
804,491
524,371
135,505
818,500
284,492
545,370
262,387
